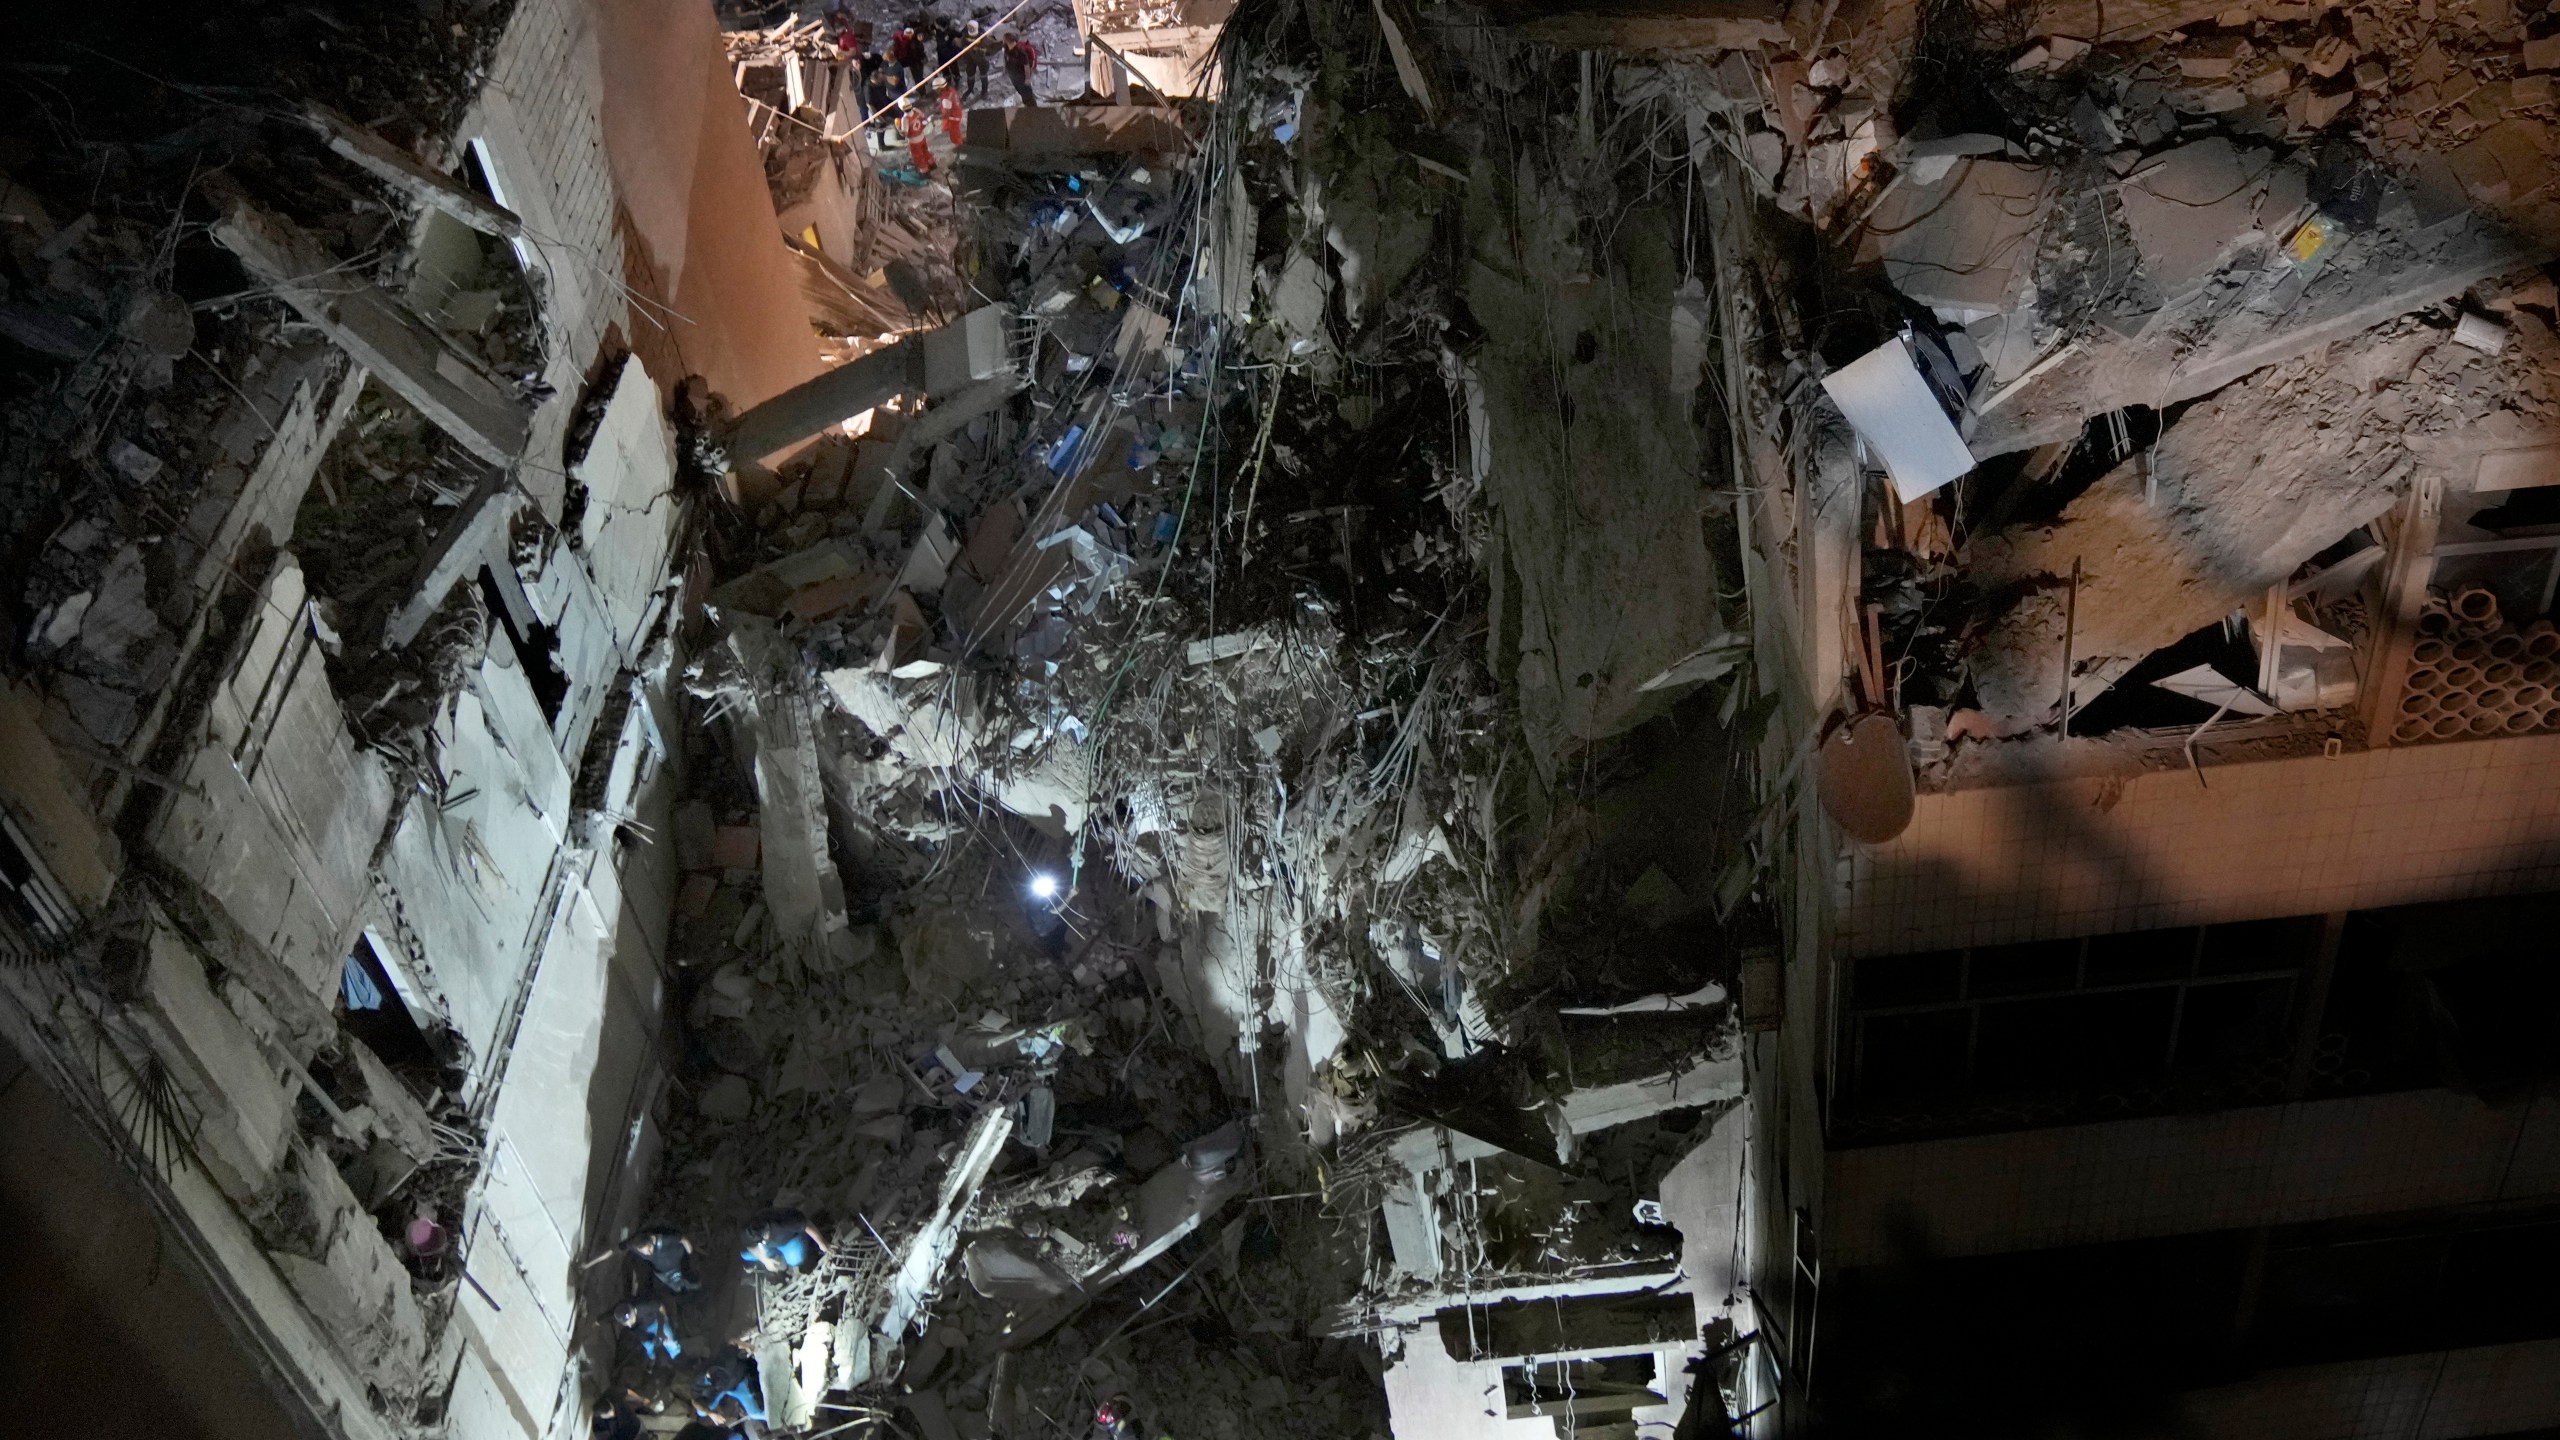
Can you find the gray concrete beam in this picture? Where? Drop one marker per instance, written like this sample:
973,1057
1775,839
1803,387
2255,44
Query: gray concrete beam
404,352
396,166
476,536
967,350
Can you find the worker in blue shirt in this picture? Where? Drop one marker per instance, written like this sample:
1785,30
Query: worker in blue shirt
669,1256
781,1240
648,1320
724,1391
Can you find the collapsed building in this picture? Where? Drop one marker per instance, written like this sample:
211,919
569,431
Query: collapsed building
1597,720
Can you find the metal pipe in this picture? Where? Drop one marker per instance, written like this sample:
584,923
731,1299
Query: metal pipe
2070,623
2192,763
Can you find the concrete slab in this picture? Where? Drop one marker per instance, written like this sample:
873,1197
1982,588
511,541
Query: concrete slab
2217,341
407,354
1965,243
2189,206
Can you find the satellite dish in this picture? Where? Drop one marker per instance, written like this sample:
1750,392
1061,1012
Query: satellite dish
1863,774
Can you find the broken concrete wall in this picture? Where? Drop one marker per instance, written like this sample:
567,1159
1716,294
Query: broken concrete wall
673,234
471,876
831,212
675,134
519,1333
561,1114
422,364
1601,576
306,1352
77,852
2244,488
264,474
933,734
347,1276
569,1133
497,904
1246,969
105,681
239,1092
568,1000
587,646
118,1319
629,524
275,778
804,893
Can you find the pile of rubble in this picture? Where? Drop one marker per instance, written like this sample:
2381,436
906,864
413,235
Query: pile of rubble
874,240
2215,312
1098,858
143,380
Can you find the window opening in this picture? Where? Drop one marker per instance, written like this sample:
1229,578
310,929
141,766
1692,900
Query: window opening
536,647
1594,1389
372,1009
36,916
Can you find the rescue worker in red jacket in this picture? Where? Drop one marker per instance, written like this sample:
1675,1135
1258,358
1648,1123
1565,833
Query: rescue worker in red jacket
954,119
911,126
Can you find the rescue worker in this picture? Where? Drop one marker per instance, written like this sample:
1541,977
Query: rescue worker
908,51
647,1320
724,1391
780,1240
668,1255
912,128
879,87
954,119
612,1420
973,63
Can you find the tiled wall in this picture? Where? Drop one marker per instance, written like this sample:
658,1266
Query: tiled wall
2171,1175
539,117
2282,837
2490,1390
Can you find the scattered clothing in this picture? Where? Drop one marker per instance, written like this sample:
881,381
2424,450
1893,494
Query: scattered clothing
356,985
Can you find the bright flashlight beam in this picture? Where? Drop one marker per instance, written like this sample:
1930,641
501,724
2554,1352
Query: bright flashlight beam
1044,887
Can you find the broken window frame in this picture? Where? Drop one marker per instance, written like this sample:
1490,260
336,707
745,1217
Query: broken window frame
38,918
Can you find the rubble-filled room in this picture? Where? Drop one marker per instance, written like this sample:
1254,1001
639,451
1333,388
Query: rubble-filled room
1235,718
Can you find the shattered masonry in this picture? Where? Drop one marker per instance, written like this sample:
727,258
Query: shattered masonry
1233,753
